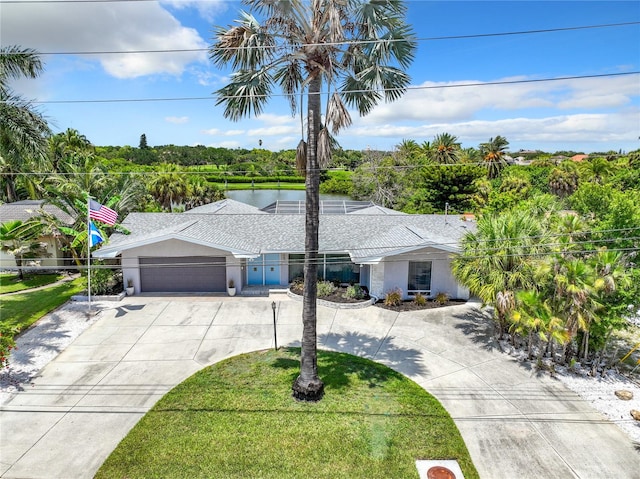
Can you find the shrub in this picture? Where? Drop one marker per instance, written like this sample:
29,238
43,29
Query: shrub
325,288
353,292
393,297
420,299
102,279
7,343
441,298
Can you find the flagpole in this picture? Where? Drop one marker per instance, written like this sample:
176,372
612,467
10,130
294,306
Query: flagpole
89,252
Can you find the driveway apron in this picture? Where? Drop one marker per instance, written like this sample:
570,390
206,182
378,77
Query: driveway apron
516,423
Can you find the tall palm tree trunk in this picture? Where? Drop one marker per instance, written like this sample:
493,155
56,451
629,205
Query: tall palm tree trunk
308,386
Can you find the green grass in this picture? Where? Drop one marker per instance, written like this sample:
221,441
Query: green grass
10,283
237,419
261,186
22,310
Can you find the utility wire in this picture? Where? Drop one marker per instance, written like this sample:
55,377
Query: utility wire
353,42
415,88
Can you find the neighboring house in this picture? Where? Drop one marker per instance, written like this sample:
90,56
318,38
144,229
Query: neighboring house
25,210
579,158
202,249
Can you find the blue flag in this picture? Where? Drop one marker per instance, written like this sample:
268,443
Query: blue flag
95,237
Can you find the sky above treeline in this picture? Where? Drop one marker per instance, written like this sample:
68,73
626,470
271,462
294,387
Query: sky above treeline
475,88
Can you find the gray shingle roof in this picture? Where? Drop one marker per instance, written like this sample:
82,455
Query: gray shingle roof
27,209
226,207
363,236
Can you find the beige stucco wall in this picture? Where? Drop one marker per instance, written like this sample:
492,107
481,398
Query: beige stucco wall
54,259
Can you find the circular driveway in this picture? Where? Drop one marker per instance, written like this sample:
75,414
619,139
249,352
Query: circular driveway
516,423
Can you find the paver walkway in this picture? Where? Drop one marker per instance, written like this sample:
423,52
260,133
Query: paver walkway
515,423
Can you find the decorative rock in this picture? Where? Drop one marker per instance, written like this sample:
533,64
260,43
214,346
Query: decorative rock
635,414
624,394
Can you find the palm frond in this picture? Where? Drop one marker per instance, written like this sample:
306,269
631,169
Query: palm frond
301,158
324,148
247,93
337,116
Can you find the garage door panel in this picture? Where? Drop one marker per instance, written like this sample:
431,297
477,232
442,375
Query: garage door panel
183,274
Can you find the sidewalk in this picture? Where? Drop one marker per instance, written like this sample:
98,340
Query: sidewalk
516,424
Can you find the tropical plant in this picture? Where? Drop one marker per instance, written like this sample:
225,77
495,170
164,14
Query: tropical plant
500,259
23,129
493,153
169,187
445,149
21,240
358,50
564,179
67,143
441,298
393,297
597,169
420,299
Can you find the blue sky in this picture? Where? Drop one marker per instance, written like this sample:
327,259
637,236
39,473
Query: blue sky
597,114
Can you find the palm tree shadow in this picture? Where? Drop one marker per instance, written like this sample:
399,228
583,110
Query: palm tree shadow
406,361
477,325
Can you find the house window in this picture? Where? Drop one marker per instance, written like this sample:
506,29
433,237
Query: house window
339,268
419,277
331,267
296,266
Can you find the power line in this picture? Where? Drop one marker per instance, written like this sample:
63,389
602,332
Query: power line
420,39
416,88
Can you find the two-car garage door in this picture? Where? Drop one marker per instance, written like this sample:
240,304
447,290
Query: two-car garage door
185,274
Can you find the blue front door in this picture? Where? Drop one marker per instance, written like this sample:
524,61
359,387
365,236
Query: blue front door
271,269
264,269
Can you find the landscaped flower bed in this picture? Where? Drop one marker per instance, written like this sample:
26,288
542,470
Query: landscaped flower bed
411,305
347,294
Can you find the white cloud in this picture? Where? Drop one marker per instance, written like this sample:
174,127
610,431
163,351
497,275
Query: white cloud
272,119
273,131
178,120
226,144
219,132
118,26
456,103
207,9
581,127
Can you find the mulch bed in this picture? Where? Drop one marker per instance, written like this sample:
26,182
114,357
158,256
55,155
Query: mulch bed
335,297
413,306
410,305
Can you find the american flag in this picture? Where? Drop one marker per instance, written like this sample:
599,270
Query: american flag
102,213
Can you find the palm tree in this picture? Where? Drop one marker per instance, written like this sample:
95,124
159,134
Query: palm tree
66,144
564,179
597,169
23,129
359,50
493,155
169,186
499,259
445,149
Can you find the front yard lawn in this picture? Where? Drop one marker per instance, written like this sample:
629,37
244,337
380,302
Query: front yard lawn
22,310
237,419
10,283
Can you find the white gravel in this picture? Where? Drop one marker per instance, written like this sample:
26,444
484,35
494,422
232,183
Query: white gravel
600,393
53,333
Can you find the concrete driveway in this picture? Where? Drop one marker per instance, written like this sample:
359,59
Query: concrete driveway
516,424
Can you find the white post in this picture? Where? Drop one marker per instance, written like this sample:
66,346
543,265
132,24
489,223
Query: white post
89,253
